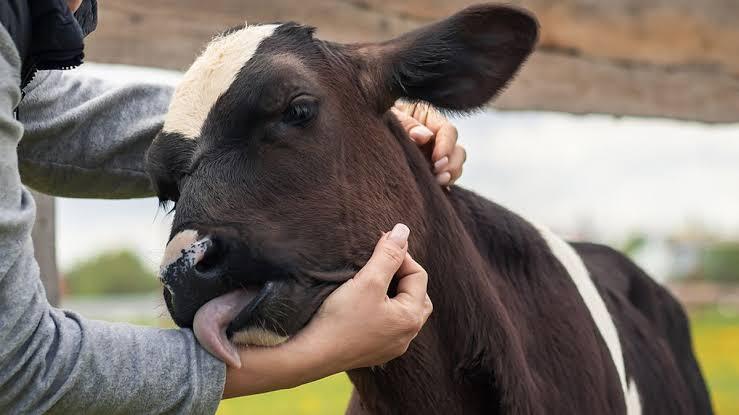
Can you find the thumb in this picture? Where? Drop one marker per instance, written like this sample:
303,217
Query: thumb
417,131
386,259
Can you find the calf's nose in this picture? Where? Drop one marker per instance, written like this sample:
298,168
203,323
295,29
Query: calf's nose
191,267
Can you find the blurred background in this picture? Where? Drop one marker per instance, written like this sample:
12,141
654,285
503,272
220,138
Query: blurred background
623,128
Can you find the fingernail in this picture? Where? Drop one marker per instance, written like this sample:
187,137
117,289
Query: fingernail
441,163
420,132
399,234
444,178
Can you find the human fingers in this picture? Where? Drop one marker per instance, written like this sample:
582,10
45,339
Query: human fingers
414,128
387,258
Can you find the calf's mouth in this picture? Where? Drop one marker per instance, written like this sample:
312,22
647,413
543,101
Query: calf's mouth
216,286
223,322
232,296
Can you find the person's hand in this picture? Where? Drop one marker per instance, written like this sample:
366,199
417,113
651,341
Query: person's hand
387,325
358,325
425,125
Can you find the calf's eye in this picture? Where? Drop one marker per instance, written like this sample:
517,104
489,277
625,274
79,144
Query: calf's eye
301,111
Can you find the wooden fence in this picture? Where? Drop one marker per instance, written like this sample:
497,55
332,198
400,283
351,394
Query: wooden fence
665,58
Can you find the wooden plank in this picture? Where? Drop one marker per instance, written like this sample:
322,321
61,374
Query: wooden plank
559,82
662,32
662,58
44,245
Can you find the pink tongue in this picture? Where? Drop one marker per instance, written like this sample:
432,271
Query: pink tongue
212,319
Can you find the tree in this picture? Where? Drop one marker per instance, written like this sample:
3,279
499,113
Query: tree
721,262
116,272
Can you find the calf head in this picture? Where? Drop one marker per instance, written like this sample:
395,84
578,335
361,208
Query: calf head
282,162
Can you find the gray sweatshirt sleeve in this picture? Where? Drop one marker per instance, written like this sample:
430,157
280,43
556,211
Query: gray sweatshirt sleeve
57,362
86,137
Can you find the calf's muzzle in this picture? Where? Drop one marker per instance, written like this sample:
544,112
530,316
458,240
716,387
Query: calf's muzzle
193,271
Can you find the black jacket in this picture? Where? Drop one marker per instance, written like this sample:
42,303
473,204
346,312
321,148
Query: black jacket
46,33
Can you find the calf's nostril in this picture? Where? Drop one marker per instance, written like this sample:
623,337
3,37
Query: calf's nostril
211,260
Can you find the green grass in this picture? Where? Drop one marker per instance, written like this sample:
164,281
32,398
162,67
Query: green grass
716,342
328,396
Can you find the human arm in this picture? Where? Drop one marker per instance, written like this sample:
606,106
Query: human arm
52,361
86,137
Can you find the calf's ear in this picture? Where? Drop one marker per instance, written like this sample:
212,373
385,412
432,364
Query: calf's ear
459,63
167,160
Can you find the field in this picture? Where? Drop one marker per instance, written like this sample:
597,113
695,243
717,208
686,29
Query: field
716,339
327,396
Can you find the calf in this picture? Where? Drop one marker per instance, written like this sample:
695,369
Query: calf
285,166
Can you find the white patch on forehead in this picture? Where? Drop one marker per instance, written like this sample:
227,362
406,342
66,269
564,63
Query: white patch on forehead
210,76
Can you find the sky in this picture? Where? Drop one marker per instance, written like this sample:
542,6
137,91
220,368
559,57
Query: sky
600,176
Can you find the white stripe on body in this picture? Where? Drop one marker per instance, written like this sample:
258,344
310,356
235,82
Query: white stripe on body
576,269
